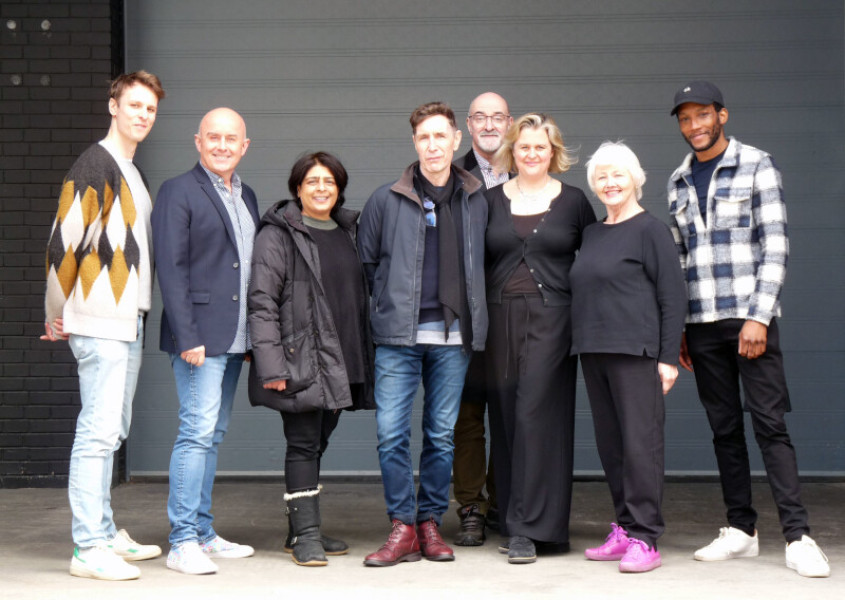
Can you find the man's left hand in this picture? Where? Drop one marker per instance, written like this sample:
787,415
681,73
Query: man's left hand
752,339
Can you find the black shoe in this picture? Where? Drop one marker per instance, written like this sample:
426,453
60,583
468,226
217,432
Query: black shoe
521,550
493,518
545,548
471,532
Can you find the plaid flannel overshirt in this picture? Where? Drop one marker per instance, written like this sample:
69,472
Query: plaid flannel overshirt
735,264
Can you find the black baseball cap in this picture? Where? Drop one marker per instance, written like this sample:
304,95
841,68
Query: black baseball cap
700,92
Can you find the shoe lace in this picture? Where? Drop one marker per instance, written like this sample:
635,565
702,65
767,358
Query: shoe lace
637,547
429,531
395,533
615,534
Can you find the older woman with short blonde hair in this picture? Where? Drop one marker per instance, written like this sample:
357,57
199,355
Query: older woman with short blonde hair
628,310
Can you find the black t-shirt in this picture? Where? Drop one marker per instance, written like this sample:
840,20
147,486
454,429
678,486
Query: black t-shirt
702,173
522,282
340,271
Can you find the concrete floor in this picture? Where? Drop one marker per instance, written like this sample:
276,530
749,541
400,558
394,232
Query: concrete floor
35,550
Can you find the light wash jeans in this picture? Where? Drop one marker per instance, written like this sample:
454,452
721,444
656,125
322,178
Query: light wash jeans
399,370
108,373
206,395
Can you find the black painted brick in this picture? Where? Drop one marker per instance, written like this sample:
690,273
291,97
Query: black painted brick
43,128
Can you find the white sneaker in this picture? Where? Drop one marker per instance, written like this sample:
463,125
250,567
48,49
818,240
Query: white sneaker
807,558
220,548
731,543
129,550
188,558
100,562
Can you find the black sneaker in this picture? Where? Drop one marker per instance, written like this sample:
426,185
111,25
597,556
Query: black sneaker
471,532
521,550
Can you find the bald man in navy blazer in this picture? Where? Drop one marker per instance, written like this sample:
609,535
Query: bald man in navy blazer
204,224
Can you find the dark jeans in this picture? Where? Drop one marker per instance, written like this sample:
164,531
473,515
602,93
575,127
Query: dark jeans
718,372
307,435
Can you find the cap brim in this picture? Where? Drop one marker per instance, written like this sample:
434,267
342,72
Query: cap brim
695,100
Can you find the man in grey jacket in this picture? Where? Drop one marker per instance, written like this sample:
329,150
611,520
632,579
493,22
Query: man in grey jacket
421,240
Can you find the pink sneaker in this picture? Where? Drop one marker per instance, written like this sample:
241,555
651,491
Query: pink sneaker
639,558
614,546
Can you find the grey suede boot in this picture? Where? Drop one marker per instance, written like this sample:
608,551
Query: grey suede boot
304,514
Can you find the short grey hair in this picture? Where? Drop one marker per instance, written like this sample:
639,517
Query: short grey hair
616,154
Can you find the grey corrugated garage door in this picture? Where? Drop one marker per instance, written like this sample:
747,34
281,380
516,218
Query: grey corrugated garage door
344,76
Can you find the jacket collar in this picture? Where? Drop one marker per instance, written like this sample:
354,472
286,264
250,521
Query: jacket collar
344,217
729,159
208,187
405,184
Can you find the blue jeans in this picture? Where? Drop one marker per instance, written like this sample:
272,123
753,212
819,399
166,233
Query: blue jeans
206,395
399,370
108,372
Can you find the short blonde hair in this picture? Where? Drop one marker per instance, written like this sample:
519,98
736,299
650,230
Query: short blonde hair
562,158
616,154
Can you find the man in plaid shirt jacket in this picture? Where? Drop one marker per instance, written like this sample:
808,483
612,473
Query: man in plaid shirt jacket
729,221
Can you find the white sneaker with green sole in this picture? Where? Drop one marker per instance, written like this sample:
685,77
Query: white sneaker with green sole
100,562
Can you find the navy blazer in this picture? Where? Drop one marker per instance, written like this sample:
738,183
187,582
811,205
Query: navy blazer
199,270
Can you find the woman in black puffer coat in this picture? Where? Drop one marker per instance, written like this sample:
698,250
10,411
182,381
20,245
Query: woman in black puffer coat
311,342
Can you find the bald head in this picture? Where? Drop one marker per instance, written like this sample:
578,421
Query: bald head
222,142
489,101
488,120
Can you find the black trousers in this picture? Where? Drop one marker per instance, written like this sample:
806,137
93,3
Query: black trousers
307,436
718,371
532,416
626,397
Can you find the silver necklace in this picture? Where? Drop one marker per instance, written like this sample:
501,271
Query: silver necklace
535,197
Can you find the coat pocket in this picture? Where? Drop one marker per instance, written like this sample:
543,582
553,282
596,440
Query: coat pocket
301,355
731,211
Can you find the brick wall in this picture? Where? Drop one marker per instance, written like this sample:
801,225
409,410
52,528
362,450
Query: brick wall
56,59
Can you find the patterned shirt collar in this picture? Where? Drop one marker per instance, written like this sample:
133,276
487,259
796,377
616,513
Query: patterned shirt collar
491,177
220,185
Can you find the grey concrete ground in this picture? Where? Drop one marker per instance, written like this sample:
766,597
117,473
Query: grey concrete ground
35,550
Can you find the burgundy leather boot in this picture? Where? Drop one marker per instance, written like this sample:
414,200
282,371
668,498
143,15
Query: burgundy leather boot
432,545
402,546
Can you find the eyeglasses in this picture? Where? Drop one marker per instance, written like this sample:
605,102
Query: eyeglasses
498,119
430,215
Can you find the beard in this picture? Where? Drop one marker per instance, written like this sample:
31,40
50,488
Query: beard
490,143
713,136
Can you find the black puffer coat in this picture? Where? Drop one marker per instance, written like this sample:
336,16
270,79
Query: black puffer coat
290,323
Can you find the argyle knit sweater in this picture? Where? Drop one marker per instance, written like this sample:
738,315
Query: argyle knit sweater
93,256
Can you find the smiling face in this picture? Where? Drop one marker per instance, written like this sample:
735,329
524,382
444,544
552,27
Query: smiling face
532,152
436,142
702,128
487,123
614,186
318,193
134,113
222,142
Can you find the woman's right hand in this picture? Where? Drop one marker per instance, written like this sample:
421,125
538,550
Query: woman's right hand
668,375
279,385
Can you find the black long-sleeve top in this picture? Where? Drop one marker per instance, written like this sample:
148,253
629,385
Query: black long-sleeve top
628,291
549,251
